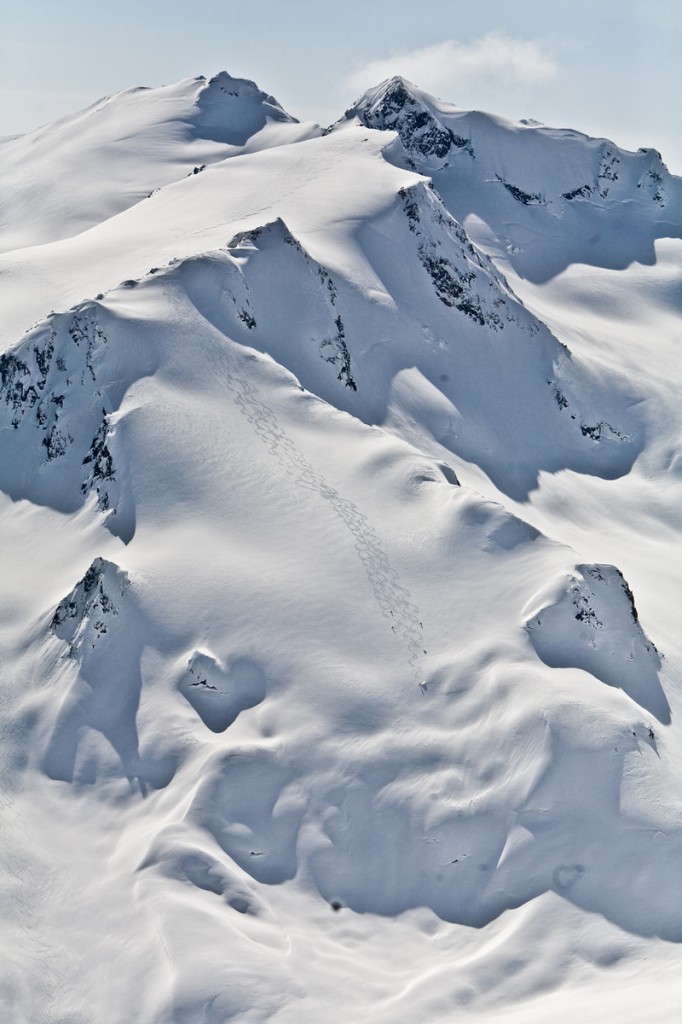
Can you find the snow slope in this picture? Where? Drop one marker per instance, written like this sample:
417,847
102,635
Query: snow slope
68,176
340,661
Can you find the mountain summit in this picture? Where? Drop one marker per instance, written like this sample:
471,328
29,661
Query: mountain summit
68,176
340,488
488,167
400,106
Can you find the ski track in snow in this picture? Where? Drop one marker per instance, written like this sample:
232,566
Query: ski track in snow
25,891
393,598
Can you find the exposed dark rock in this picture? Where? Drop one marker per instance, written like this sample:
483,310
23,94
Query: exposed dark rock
102,466
602,431
331,287
247,318
582,192
421,134
341,357
527,198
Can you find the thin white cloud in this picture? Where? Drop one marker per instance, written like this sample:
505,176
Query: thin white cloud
446,67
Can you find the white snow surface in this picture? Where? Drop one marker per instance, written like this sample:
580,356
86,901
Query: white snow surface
70,175
340,488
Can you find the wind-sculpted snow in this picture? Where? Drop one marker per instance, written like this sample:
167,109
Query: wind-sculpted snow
452,316
232,110
593,624
219,693
279,808
409,820
300,320
549,196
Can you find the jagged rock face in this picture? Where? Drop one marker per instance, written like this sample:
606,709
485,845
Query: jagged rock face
59,387
85,615
469,284
101,472
425,138
492,168
40,377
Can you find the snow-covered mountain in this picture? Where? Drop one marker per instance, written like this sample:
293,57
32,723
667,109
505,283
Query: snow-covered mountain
79,171
340,487
585,199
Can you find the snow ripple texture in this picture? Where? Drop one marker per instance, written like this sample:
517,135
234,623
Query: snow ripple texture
393,598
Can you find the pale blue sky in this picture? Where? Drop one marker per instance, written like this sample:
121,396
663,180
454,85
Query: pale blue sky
606,67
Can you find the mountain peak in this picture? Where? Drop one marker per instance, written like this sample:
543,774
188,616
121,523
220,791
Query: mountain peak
385,99
399,105
225,90
123,148
396,90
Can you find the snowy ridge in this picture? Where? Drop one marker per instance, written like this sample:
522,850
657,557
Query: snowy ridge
265,291
125,147
563,164
539,189
371,681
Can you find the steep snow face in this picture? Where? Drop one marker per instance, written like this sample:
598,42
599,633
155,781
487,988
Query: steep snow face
286,701
583,626
231,110
497,388
81,170
549,197
447,351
